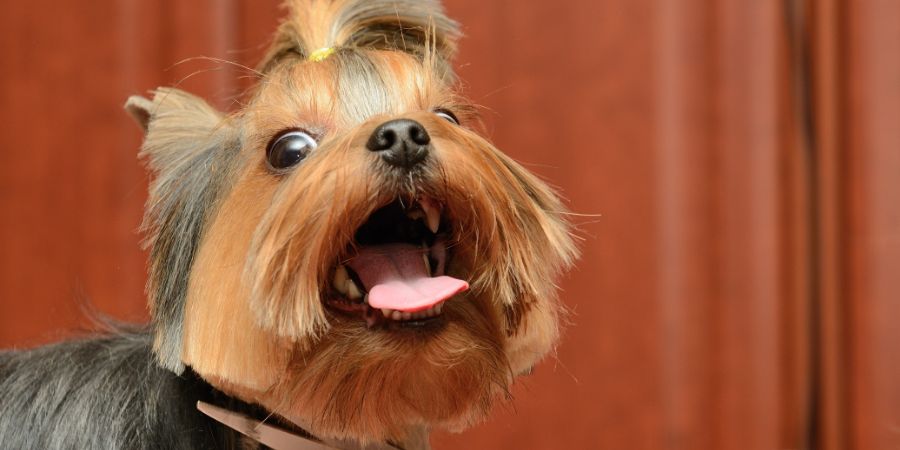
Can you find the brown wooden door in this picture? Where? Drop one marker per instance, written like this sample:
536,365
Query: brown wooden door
736,165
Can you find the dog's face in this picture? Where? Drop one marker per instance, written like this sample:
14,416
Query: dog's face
346,250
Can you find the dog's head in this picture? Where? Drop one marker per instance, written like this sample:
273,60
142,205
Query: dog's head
346,250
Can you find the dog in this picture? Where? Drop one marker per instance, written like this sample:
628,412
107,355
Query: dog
343,262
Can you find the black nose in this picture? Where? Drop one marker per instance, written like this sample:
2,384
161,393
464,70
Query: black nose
402,142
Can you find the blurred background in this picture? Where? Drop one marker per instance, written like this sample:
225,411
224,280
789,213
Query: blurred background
736,162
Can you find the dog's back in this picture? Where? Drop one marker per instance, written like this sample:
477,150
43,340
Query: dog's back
101,393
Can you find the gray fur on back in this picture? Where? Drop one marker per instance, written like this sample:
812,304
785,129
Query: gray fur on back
101,393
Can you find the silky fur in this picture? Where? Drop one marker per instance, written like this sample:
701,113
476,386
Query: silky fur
241,254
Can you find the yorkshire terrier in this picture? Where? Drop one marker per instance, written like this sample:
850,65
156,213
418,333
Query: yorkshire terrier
344,262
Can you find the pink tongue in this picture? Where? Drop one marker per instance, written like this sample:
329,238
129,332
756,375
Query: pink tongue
395,277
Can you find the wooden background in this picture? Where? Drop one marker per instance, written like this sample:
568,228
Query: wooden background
737,162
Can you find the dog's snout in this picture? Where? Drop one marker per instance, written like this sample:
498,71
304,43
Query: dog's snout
402,142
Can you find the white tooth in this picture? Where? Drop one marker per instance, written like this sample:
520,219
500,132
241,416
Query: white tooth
434,220
432,213
387,312
407,316
438,308
427,264
396,315
340,279
352,291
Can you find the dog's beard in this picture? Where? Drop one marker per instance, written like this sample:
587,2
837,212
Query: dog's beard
378,385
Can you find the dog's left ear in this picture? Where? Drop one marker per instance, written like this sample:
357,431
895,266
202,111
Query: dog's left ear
140,110
189,148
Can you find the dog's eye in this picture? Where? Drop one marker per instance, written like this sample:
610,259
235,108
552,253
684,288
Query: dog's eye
289,148
447,115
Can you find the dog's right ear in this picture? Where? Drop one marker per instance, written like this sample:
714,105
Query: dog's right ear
189,148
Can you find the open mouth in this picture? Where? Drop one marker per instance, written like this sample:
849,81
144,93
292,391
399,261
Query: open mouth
397,274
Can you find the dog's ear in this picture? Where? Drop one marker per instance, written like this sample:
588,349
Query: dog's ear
418,27
189,148
140,110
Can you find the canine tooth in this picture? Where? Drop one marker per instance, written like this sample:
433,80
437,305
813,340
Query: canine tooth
438,308
387,312
432,213
353,291
427,263
397,315
340,279
433,223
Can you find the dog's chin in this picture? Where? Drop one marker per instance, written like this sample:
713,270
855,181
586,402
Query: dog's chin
381,383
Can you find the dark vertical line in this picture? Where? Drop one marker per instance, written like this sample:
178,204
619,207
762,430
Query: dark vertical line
796,18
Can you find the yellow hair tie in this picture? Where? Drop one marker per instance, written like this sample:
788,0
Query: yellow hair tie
320,54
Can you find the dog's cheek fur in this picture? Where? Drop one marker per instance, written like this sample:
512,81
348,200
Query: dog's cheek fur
519,240
312,218
222,336
537,331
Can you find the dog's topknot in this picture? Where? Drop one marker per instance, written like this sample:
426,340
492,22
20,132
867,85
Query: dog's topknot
418,27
